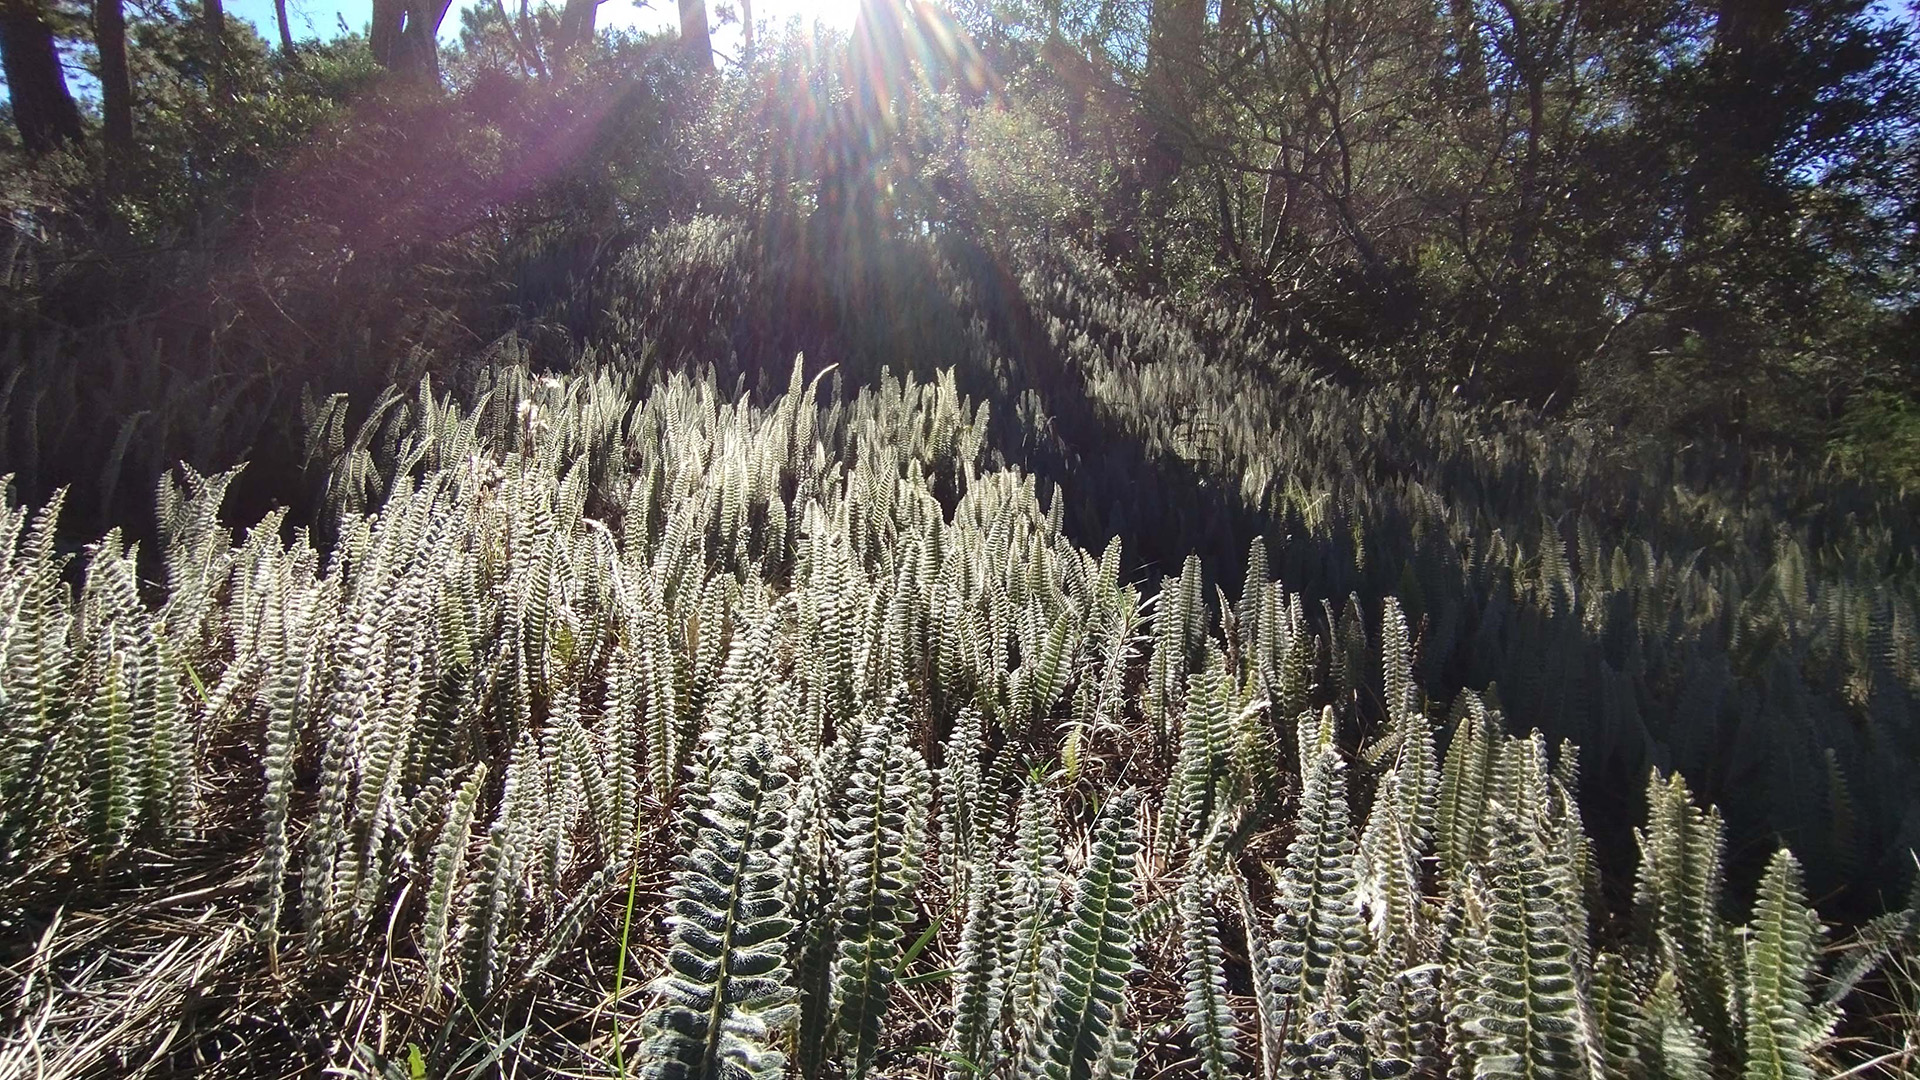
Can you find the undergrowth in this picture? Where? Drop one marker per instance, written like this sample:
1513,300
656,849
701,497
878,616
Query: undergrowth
603,726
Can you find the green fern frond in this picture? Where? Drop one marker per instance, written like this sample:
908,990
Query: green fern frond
880,842
1083,1021
1209,1015
1783,942
725,999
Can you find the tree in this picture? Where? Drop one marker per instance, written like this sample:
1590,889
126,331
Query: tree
214,12
43,107
694,36
286,32
405,37
1176,31
576,23
116,84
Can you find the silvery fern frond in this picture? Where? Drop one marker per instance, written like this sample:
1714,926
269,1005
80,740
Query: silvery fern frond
447,866
980,976
1319,922
1781,963
1096,955
725,999
1033,904
1528,1023
1620,1025
1209,1015
1677,897
880,841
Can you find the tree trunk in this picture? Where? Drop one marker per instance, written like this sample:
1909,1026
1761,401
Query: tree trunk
405,38
1174,58
1174,51
215,14
694,37
116,85
383,35
1234,31
286,31
420,55
746,29
43,107
576,23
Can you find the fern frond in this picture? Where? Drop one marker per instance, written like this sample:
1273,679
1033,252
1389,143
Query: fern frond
880,842
1319,922
1677,899
980,978
1529,1022
1209,1016
1619,1018
448,862
725,998
1782,947
1083,1021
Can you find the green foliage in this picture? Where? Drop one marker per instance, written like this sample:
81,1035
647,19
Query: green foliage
880,866
1782,944
1880,435
725,997
1083,1027
547,610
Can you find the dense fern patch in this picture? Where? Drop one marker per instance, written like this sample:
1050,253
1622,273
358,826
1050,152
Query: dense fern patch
623,728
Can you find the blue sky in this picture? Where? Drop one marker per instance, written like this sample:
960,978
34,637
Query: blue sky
321,18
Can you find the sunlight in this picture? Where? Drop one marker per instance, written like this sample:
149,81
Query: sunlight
770,16
838,14
967,540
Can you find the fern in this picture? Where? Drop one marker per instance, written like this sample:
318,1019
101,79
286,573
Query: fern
1197,790
1394,846
1677,897
1209,1017
1319,922
1033,904
879,844
1465,785
980,978
968,809
1619,1018
282,698
108,717
1782,943
448,862
724,999
1676,1048
493,904
1528,1022
627,595
1396,660
1083,1029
